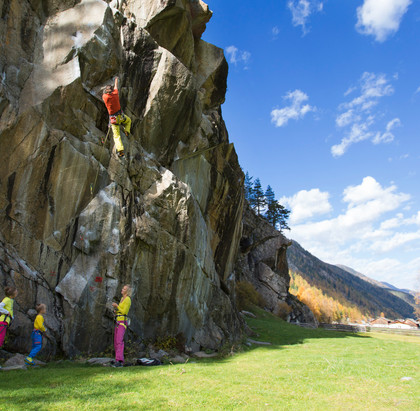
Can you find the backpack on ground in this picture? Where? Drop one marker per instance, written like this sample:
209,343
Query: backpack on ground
148,361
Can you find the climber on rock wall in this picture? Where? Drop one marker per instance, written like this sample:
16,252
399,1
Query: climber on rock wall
116,116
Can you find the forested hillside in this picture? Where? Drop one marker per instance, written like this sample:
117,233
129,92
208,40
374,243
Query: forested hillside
345,288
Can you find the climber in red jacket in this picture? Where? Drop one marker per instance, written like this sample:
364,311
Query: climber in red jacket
116,116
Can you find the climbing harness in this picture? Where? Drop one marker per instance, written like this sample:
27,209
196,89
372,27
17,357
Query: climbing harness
113,118
5,316
126,321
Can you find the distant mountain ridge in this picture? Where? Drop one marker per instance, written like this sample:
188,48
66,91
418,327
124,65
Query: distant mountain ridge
372,281
403,290
347,286
407,295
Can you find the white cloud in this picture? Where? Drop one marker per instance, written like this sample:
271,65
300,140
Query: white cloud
357,114
295,110
275,31
381,18
347,118
301,10
387,137
237,56
372,224
358,132
395,241
370,190
306,204
367,203
417,91
373,86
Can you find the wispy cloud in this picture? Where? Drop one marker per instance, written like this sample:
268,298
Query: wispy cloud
296,110
301,11
387,136
381,18
373,225
357,117
237,56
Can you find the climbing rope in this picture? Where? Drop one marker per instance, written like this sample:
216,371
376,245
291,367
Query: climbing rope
196,153
93,185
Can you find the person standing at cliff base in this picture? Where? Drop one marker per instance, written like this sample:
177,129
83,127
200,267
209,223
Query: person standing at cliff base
6,311
121,312
116,116
36,335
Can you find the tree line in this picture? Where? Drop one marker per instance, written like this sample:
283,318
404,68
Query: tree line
265,203
326,309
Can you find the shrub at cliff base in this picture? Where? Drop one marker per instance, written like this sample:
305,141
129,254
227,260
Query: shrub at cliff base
247,296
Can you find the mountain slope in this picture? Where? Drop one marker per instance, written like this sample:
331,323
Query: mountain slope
346,287
406,295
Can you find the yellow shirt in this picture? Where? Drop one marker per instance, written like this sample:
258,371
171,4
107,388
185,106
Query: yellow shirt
8,305
39,323
123,308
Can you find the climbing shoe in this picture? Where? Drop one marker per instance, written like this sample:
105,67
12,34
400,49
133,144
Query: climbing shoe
120,153
118,364
29,361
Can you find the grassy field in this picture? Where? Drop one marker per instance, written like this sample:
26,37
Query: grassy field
303,370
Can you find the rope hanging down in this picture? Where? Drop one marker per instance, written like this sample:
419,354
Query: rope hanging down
196,153
93,185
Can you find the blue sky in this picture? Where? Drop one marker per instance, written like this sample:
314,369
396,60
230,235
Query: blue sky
323,104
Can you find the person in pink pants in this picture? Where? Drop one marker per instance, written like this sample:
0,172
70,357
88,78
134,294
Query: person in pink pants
6,311
121,312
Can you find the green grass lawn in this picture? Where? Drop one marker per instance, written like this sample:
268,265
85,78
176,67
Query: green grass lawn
303,370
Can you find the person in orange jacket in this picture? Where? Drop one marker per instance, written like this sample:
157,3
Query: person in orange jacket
116,116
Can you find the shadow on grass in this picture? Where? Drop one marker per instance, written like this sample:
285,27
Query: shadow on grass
280,333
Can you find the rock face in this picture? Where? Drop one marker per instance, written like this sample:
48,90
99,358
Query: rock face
263,263
77,222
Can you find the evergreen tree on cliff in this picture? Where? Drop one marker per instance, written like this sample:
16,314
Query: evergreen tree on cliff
270,214
276,214
248,186
258,199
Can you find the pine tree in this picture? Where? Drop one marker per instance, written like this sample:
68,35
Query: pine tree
248,188
270,200
283,215
276,214
258,197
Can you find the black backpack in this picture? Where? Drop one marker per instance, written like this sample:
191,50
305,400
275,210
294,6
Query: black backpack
148,361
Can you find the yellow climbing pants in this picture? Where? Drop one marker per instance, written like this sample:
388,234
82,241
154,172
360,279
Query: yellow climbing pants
124,121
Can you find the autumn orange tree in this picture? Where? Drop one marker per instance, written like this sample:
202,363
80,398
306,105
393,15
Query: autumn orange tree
325,308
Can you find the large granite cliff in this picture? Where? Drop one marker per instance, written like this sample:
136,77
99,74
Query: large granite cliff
77,222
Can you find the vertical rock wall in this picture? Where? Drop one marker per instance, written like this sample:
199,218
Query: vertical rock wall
263,263
77,222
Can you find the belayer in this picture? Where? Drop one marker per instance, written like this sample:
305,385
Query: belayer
121,311
6,311
116,116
